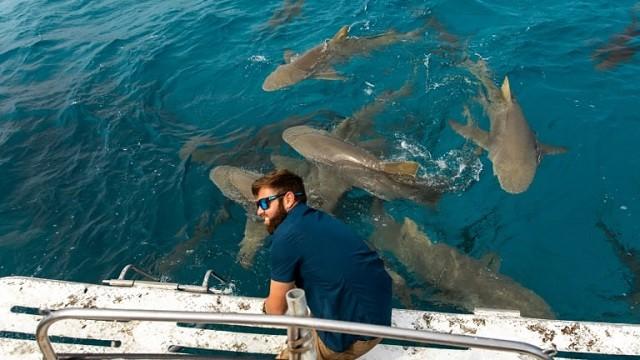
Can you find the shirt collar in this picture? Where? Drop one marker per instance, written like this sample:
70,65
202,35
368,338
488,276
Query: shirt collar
295,212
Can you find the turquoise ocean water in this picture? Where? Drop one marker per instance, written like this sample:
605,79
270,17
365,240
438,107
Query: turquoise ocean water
97,98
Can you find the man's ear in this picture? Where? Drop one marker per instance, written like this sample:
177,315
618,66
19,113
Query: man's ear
289,200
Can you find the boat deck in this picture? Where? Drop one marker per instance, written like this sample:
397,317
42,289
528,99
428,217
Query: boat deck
21,299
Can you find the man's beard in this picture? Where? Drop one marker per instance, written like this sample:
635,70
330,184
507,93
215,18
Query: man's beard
277,219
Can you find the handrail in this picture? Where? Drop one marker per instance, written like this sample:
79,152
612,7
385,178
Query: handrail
208,275
126,269
280,321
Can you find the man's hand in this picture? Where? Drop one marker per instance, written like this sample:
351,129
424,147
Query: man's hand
276,303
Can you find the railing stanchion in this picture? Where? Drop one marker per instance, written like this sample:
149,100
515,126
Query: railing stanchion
299,340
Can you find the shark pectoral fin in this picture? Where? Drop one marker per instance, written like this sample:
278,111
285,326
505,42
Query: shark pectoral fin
505,89
289,56
328,74
471,132
341,34
551,149
491,261
409,168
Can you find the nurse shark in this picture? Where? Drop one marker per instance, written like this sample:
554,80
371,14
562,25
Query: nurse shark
513,147
204,229
620,47
629,257
462,281
387,180
360,122
235,184
289,10
318,61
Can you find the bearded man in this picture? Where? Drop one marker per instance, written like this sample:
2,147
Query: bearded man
342,277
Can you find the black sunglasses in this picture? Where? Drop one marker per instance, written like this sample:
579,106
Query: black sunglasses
266,201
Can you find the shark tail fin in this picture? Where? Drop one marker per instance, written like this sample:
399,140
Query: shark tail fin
506,89
341,34
409,168
551,149
404,91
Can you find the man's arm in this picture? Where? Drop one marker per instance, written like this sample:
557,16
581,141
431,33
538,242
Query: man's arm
276,303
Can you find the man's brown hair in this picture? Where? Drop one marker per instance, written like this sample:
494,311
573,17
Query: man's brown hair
281,181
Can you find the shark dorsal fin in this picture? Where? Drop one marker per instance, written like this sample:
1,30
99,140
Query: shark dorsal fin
491,261
407,168
341,34
506,89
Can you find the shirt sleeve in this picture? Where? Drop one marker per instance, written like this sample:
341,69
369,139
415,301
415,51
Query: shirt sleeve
285,258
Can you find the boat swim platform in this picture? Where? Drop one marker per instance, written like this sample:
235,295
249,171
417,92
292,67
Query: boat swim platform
22,298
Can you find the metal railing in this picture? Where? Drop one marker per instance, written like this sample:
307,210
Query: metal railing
155,282
277,321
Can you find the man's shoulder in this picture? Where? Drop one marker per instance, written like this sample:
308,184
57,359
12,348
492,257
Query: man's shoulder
288,231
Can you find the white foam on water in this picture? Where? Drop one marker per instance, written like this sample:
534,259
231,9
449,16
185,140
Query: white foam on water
426,62
411,150
369,89
258,59
457,169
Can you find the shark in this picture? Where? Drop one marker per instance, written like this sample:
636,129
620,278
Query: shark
619,48
387,180
360,122
324,189
235,184
289,10
318,61
513,148
253,147
629,257
461,280
203,229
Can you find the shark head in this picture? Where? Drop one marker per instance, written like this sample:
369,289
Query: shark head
284,76
234,183
515,178
297,138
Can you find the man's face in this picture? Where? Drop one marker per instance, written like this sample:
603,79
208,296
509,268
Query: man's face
275,214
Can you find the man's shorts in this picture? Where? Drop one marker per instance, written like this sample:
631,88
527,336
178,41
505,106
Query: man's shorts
356,349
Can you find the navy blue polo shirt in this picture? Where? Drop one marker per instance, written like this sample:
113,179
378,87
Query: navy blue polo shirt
342,278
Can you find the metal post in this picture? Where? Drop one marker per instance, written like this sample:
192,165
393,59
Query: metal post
300,340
